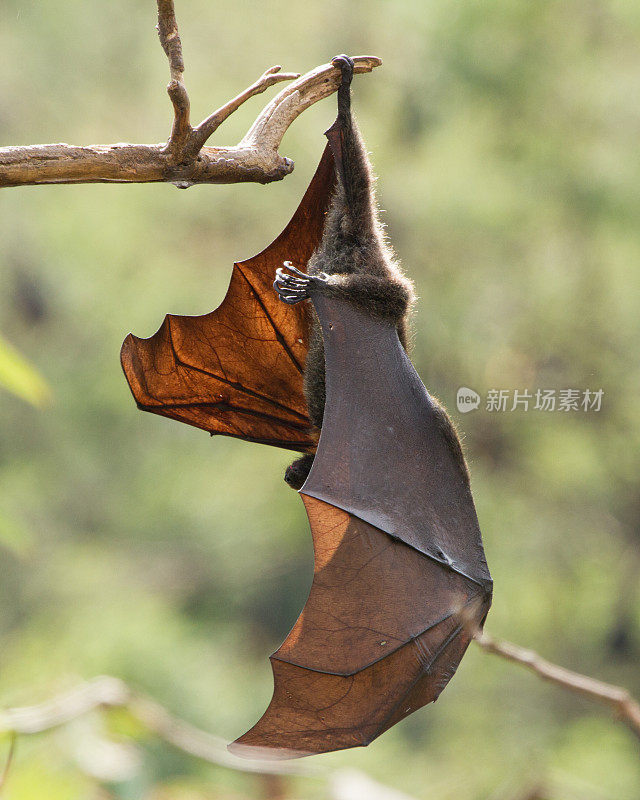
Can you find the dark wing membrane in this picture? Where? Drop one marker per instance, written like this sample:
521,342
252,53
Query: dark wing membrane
401,582
386,451
238,371
381,634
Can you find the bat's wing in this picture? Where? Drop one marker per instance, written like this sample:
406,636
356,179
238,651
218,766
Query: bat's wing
401,581
238,370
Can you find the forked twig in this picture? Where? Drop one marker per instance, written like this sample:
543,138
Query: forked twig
184,159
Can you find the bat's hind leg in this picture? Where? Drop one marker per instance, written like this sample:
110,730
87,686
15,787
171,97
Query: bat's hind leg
345,65
296,473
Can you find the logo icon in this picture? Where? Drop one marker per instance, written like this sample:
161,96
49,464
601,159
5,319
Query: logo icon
467,400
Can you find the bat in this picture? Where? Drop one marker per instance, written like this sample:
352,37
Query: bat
400,581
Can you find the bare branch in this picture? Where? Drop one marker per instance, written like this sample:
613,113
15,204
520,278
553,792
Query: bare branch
270,126
254,159
617,698
109,692
181,129
208,126
170,38
184,160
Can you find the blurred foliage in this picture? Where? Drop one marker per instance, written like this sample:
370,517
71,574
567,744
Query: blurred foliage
19,377
505,137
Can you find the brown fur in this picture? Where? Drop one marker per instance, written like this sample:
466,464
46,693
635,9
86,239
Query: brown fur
363,270
362,266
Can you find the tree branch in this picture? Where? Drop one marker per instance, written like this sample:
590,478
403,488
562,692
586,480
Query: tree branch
109,692
184,159
167,28
170,38
208,126
617,698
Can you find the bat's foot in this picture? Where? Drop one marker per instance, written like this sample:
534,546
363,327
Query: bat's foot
345,65
298,471
293,288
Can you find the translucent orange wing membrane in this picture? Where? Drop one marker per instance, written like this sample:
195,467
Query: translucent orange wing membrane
238,371
380,636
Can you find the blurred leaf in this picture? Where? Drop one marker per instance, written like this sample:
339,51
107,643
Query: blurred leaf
18,376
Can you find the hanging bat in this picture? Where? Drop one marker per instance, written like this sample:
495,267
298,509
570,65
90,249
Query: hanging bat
400,578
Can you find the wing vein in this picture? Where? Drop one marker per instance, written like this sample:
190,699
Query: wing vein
276,330
388,652
225,406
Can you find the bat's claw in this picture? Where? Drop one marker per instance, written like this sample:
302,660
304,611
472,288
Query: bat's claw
345,65
293,288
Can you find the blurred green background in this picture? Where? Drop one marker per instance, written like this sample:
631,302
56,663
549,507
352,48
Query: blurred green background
505,136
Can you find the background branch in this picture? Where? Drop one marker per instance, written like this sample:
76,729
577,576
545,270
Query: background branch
184,160
109,692
617,698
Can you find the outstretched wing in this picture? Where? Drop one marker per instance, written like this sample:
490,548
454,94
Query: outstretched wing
238,370
400,581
